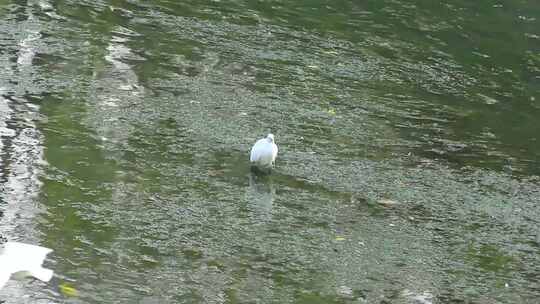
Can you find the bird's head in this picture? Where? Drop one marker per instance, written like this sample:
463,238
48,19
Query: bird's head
270,137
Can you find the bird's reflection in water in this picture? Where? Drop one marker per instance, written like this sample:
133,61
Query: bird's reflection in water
260,196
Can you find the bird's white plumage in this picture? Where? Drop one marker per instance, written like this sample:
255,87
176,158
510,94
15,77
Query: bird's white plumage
264,152
21,260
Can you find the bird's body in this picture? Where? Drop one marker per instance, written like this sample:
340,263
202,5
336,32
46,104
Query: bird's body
22,260
264,152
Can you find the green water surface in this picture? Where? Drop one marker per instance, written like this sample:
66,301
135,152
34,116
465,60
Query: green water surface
408,136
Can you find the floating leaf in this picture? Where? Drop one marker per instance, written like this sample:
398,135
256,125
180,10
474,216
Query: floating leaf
332,111
388,202
68,290
340,238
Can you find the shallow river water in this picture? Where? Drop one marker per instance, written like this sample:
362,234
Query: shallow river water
409,159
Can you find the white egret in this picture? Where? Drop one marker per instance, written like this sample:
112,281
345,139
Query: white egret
23,260
264,152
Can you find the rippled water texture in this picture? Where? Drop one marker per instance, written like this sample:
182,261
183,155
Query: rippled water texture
408,134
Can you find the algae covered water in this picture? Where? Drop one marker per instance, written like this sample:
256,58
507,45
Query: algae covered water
407,130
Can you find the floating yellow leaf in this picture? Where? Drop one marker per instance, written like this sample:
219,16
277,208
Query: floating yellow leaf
332,111
68,290
340,238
